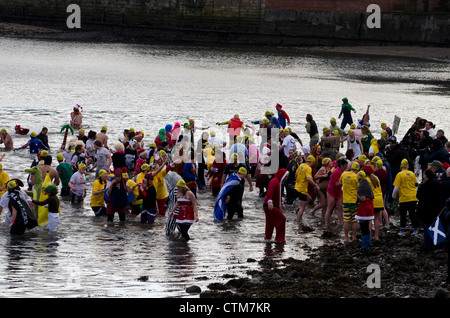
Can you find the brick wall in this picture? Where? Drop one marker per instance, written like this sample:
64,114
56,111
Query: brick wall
358,5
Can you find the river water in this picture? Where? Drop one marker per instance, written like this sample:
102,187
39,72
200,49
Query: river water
148,86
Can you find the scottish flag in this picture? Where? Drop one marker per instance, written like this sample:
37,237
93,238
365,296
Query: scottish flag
220,206
436,231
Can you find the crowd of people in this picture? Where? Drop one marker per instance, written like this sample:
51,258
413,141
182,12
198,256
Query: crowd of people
347,171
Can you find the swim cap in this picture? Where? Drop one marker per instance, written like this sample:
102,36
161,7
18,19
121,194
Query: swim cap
336,133
355,166
101,172
325,161
267,113
44,153
325,129
350,131
373,141
362,158
131,129
81,166
368,169
333,120
384,133
212,133
153,145
3,130
383,125
144,167
310,159
60,157
81,130
234,156
236,115
33,134
181,183
361,175
375,159
191,121
379,163
353,126
12,184
286,131
404,163
51,188
162,153
242,170
289,128
104,128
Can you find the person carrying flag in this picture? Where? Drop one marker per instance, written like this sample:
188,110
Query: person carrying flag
229,198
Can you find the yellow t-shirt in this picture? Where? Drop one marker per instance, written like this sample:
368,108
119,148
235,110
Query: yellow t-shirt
131,184
301,182
159,184
377,193
350,185
406,182
4,178
98,199
140,177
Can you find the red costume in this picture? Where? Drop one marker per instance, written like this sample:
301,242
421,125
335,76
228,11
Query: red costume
275,219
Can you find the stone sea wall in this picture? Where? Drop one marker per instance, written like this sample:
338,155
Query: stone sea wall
267,22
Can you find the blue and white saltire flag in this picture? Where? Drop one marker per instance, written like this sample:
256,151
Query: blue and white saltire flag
221,204
436,231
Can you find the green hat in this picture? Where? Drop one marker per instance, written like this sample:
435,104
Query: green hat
51,188
435,163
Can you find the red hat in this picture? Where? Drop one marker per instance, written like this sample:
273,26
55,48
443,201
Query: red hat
368,169
278,105
140,151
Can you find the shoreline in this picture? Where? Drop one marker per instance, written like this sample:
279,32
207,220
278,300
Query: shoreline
30,31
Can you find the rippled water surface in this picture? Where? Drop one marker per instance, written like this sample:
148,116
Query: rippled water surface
147,87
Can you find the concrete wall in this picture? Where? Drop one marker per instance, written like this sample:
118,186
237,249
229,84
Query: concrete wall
267,22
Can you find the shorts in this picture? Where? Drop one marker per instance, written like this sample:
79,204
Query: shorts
377,210
99,210
350,210
111,209
76,199
300,196
136,209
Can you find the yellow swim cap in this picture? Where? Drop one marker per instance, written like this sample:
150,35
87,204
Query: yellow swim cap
310,159
44,153
181,183
325,129
325,161
101,172
333,120
353,126
33,134
336,132
144,167
234,156
404,163
12,184
379,163
242,170
81,166
361,175
384,133
60,157
362,158
4,130
383,125
375,159
355,166
104,128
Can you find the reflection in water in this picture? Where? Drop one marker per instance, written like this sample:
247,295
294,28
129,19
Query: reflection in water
146,87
